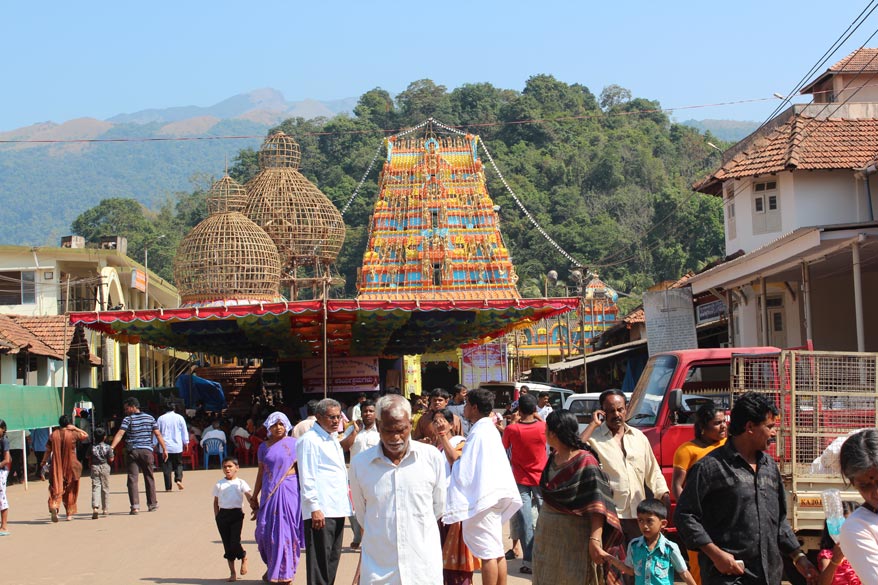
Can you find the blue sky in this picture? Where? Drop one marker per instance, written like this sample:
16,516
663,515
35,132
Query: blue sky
66,60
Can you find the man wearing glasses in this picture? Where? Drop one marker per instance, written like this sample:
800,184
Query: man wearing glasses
323,481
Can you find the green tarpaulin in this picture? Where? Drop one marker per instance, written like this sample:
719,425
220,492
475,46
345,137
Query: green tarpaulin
29,407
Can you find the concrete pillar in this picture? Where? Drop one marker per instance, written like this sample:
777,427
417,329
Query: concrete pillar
858,297
806,301
764,297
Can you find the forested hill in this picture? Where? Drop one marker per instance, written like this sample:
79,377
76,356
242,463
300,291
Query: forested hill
608,176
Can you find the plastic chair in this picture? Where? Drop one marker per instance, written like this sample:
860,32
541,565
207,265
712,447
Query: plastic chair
213,447
254,449
242,451
190,451
119,457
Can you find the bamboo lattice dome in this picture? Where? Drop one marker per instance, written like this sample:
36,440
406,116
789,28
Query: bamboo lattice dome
303,223
226,195
227,257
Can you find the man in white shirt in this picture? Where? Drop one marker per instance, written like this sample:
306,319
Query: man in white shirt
398,489
323,485
214,432
361,435
239,431
545,409
482,493
172,426
308,423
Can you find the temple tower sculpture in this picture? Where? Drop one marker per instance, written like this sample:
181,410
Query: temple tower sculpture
434,232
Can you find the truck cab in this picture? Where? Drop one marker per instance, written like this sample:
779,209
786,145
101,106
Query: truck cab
672,387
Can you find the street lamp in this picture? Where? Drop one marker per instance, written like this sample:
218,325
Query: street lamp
149,362
146,270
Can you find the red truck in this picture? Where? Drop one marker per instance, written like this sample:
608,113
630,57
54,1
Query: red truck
831,393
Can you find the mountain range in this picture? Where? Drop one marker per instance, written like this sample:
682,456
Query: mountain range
52,172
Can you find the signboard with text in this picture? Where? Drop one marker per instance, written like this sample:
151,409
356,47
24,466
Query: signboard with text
670,320
351,374
484,363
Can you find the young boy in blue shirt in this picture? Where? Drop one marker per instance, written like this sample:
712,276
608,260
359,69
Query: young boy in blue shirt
652,558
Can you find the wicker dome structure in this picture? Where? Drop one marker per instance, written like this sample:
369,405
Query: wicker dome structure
226,195
227,258
304,224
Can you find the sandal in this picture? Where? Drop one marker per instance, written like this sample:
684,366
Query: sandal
526,570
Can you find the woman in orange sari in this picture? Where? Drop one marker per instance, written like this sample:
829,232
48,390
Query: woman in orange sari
65,467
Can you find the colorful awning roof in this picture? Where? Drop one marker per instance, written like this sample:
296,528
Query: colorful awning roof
294,330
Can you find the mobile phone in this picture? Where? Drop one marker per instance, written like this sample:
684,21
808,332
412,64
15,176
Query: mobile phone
601,417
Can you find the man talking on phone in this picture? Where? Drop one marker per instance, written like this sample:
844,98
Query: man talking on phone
627,459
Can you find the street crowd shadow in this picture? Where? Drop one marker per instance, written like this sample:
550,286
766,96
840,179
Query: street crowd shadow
183,580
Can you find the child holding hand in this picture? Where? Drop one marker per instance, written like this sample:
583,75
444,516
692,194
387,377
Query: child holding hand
652,558
228,498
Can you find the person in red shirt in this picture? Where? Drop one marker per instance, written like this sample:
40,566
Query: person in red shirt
526,443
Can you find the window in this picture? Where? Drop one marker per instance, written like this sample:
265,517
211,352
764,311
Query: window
18,288
766,208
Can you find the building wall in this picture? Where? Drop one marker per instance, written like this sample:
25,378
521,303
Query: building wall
823,197
833,317
857,91
743,197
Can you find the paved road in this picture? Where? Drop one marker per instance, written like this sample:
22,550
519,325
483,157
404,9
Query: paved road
177,544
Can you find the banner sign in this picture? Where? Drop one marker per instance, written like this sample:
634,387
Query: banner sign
484,363
138,280
351,374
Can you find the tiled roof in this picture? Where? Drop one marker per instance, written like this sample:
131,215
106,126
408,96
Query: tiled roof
50,336
862,60
635,316
803,143
17,338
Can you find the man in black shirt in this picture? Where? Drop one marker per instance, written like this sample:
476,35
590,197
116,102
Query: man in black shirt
733,507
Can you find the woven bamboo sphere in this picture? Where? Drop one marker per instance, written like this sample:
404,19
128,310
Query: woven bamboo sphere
227,257
303,223
226,195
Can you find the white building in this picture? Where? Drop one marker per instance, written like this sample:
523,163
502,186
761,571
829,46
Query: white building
45,281
799,197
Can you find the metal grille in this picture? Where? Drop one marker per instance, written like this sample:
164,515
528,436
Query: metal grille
821,396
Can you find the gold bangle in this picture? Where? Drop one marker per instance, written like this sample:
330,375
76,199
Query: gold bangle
798,557
596,539
833,563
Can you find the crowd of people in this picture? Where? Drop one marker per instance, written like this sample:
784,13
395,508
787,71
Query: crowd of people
432,482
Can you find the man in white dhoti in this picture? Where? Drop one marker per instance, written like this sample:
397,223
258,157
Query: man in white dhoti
398,490
483,494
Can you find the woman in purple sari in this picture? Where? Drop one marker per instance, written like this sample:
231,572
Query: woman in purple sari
279,528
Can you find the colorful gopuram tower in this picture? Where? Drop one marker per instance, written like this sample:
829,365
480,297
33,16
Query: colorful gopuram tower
434,233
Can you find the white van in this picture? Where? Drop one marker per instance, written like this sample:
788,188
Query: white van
505,393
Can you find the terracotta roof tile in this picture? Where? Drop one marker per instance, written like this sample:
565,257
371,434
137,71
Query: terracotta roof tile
802,143
19,338
50,336
635,316
862,60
